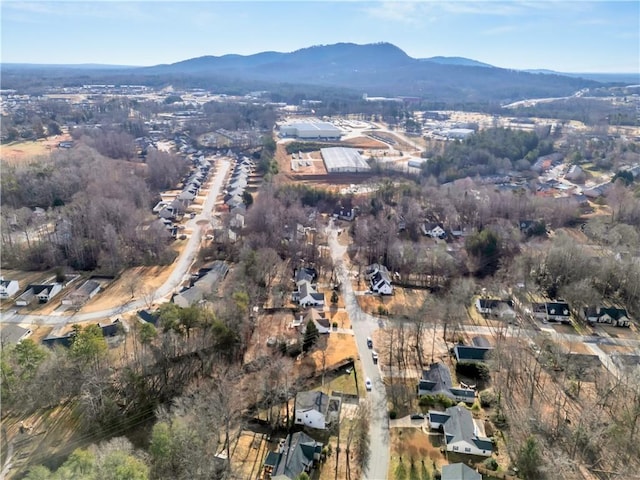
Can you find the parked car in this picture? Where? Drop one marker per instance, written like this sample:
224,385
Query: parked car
374,355
369,342
368,384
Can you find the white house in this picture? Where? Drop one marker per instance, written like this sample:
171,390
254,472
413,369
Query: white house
308,296
437,381
43,293
558,312
312,409
379,279
82,294
461,433
322,323
617,317
497,308
433,230
8,288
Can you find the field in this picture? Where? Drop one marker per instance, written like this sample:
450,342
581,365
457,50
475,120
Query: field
17,152
413,445
404,301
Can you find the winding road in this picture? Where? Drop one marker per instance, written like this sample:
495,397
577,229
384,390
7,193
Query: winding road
363,326
180,267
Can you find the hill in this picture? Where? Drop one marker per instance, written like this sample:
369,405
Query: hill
377,69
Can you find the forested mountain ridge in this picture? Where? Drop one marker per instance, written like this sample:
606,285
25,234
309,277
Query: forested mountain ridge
377,69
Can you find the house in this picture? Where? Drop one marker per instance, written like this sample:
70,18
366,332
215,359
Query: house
149,317
298,453
497,308
466,353
11,333
433,230
43,293
312,409
379,279
305,274
82,294
322,323
617,317
459,471
8,288
53,341
308,296
203,285
111,329
437,381
461,433
558,312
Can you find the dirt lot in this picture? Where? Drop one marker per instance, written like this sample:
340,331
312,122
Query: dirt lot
133,283
404,301
16,152
248,453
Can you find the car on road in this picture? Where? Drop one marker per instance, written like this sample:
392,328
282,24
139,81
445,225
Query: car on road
369,342
374,355
368,384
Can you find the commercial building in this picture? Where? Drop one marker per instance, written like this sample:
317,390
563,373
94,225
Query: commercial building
344,160
312,130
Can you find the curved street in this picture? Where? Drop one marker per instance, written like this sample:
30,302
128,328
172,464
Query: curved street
180,266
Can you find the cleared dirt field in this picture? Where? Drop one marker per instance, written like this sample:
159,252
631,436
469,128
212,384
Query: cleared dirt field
133,283
17,152
248,453
404,301
339,347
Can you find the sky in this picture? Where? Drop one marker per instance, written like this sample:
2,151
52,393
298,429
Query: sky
562,35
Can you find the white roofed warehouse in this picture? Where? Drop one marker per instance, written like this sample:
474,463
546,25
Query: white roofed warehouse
344,160
311,130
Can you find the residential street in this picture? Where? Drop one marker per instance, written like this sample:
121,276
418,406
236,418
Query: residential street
363,326
180,269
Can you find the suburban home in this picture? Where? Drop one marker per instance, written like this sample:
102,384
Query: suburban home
296,454
617,317
111,329
203,285
437,380
53,341
312,409
147,316
461,433
43,293
467,353
305,274
11,333
459,471
8,288
82,294
322,323
379,279
307,295
433,230
344,210
498,308
558,312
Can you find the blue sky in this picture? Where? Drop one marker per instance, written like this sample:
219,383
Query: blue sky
567,36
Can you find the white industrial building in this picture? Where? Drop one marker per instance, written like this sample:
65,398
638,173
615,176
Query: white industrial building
343,160
311,130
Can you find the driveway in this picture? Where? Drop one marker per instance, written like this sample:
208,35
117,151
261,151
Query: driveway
363,326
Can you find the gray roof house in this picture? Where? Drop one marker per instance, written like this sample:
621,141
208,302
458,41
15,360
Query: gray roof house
297,453
202,286
312,409
461,433
459,471
437,380
467,353
12,333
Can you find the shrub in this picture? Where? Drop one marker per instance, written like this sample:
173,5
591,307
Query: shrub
491,464
427,401
382,310
487,399
445,401
335,324
474,370
500,420
475,407
393,414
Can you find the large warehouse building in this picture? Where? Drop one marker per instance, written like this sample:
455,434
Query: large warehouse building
344,160
311,130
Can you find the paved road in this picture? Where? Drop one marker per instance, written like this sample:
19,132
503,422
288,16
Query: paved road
180,268
363,326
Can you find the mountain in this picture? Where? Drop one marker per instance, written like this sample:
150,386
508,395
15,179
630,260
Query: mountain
467,62
379,69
